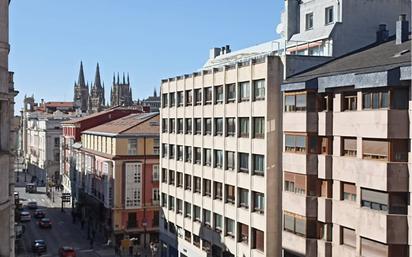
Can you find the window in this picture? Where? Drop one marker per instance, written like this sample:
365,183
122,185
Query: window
207,188
230,194
155,172
325,102
370,248
172,99
164,125
258,239
164,200
230,160
188,210
348,237
180,153
131,220
230,127
218,126
374,200
309,21
198,126
156,143
196,213
172,228
243,127
295,143
196,240
208,95
350,102
189,97
329,15
198,96
258,127
171,151
171,203
179,206
258,202
294,223
217,222
197,184
188,154
206,245
218,94
179,179
244,162
208,126
399,150
188,124
171,177
132,147
243,233
164,150
295,183
164,175
229,227
180,98
349,147
217,193
56,142
188,182
243,198
258,164
295,102
326,145
188,236
207,218
172,125
164,100
375,149
230,93
155,196
325,188
198,155
259,90
244,91
218,159
375,100
180,126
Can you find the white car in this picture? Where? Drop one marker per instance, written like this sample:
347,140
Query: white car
25,216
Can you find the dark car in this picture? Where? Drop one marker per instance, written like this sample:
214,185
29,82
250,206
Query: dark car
39,213
32,205
45,223
39,246
67,251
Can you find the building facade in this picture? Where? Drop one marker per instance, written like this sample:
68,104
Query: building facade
7,138
117,173
220,162
346,154
153,102
121,92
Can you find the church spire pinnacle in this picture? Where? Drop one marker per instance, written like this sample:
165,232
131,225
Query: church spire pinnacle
97,81
128,79
124,80
81,82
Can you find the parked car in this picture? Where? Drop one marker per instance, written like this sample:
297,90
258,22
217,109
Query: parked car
31,188
32,205
40,213
39,246
45,223
25,216
67,251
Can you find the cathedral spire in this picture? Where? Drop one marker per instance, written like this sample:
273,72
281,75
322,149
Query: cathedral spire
155,92
118,80
81,76
114,78
124,80
97,81
128,80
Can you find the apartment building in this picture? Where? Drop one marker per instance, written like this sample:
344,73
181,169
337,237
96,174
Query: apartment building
117,175
220,162
346,154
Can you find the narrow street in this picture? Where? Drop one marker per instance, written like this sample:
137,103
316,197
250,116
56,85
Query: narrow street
63,231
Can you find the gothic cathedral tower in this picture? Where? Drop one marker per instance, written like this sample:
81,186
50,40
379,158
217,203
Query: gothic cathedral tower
96,99
81,92
121,93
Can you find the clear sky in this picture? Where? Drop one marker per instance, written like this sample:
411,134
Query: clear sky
150,39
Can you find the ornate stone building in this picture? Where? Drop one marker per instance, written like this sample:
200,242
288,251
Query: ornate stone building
96,98
121,93
81,92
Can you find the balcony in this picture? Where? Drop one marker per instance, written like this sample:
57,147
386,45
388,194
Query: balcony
325,123
324,209
300,163
379,175
300,204
324,248
300,122
325,166
301,245
383,227
372,124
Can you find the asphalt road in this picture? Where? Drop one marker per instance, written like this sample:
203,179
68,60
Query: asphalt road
63,231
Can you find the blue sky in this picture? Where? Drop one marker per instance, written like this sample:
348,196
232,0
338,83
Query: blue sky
149,39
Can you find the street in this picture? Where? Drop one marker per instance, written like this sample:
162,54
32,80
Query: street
63,231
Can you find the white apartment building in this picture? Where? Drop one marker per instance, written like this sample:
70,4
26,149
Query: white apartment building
220,163
346,156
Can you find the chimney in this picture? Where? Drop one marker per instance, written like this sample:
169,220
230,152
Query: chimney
402,29
228,49
223,51
214,52
382,34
